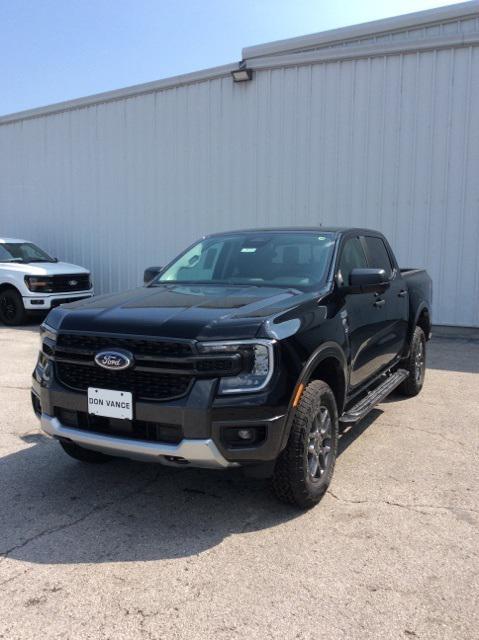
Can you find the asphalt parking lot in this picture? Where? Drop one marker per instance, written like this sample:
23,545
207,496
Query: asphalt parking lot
126,550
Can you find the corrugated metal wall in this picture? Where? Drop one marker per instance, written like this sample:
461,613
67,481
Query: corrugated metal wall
387,142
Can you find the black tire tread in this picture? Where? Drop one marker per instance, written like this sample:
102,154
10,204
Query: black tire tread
409,387
289,482
21,314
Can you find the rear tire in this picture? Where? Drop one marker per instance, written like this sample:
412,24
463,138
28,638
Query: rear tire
305,467
415,364
84,455
12,311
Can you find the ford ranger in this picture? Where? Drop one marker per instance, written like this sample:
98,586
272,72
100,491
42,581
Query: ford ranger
251,349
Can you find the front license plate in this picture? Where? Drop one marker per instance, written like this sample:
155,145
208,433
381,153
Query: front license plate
111,404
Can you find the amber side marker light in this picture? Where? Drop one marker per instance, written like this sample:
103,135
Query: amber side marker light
298,394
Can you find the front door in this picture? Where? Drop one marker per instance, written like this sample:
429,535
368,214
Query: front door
364,319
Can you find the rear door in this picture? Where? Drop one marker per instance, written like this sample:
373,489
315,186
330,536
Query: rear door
391,305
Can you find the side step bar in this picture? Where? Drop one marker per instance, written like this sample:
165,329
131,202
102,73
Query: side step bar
364,406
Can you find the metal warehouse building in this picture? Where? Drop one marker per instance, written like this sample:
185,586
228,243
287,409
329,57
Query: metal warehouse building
373,125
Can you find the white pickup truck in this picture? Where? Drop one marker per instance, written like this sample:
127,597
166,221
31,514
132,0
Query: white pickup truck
31,280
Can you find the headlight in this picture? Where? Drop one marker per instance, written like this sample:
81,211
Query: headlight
258,356
47,331
39,284
48,338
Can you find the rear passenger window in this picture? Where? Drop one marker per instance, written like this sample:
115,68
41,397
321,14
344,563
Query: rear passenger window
378,256
352,257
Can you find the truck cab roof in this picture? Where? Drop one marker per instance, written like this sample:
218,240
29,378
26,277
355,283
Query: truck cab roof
11,240
337,231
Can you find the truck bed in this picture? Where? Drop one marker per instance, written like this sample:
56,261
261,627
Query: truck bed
410,271
419,286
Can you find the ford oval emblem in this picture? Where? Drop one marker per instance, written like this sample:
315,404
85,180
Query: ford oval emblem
113,359
73,283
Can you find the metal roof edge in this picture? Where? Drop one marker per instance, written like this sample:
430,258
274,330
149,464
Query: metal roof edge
364,51
119,94
416,19
272,49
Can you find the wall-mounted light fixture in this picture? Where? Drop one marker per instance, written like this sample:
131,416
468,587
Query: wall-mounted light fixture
242,73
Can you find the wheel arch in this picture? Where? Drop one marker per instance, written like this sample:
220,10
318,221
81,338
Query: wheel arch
5,286
423,320
327,363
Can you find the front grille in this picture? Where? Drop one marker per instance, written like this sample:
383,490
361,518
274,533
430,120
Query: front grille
163,369
75,282
137,346
131,429
145,385
216,365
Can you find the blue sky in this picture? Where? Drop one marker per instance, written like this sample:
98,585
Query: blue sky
54,50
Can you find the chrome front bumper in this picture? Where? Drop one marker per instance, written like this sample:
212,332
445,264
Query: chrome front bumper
196,453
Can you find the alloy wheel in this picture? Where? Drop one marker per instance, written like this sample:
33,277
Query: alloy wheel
319,444
7,308
419,361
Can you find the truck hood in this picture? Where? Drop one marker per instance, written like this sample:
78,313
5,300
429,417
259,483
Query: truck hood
179,311
42,268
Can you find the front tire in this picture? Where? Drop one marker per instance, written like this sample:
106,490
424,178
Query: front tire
12,311
415,364
84,455
304,469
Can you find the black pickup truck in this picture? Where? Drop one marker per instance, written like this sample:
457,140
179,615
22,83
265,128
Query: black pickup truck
249,350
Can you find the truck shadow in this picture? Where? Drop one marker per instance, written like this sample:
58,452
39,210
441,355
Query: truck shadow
31,324
349,433
54,510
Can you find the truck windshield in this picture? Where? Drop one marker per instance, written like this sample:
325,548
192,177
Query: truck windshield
23,252
299,259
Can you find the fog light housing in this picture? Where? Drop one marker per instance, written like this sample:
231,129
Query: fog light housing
246,434
240,437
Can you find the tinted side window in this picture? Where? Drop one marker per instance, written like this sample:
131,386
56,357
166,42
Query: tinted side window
378,256
352,257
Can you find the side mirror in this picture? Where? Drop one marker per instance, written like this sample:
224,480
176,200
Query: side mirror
364,280
151,273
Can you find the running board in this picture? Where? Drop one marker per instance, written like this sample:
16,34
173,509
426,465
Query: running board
365,405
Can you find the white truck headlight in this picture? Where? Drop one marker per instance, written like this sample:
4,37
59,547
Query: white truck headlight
259,363
39,284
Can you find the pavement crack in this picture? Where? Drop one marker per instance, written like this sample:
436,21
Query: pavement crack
11,386
411,507
15,577
96,509
433,433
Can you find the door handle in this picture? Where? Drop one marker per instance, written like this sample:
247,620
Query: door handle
380,303
402,293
